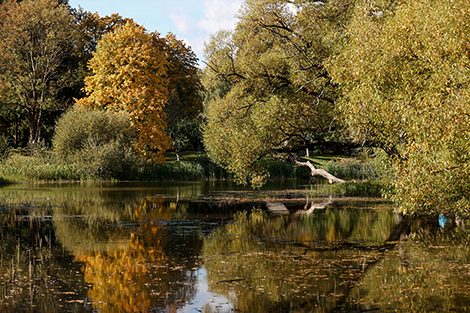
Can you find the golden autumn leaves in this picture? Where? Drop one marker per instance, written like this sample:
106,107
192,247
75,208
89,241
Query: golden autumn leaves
129,73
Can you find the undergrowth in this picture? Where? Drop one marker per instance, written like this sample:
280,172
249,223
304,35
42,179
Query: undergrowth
40,165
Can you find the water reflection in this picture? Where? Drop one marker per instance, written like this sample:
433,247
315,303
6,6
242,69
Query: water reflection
340,260
429,272
163,248
129,269
295,263
128,252
35,276
144,261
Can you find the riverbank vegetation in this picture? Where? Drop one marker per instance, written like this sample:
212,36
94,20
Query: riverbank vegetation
382,83
41,165
340,74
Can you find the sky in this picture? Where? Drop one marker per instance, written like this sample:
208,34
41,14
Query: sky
190,20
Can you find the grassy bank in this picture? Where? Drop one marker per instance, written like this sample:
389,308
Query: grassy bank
41,167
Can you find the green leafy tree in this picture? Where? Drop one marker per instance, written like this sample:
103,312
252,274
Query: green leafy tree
403,73
268,89
185,91
185,134
90,29
184,84
35,39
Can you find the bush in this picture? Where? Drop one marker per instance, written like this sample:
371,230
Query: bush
99,142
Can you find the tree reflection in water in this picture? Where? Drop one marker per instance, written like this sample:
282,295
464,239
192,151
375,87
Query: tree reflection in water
296,263
337,259
131,271
35,275
430,271
135,252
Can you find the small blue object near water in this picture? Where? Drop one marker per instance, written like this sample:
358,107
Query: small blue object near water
443,220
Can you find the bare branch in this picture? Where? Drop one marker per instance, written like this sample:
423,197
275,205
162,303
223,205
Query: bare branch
318,171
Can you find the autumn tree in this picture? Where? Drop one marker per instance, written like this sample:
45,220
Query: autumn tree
129,74
268,90
90,29
404,76
35,38
93,27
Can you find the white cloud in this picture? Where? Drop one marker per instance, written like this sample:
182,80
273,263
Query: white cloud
182,21
219,14
195,21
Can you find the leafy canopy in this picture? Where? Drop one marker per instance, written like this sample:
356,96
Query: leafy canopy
129,74
404,76
36,37
184,103
267,88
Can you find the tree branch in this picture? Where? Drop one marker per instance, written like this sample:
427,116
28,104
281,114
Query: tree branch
318,171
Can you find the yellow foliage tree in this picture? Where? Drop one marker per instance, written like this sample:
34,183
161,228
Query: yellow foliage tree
129,74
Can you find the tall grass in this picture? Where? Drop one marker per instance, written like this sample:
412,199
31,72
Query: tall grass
195,166
43,167
353,168
38,168
191,167
368,188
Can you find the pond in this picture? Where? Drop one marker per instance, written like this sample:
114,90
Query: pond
216,247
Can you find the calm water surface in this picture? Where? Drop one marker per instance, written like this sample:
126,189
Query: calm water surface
214,247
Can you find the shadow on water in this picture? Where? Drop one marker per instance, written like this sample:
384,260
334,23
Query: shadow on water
190,247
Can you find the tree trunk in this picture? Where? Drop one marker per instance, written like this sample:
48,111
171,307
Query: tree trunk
319,172
35,127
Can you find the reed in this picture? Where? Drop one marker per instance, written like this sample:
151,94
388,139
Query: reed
36,168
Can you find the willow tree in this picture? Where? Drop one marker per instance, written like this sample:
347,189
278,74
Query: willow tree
129,73
268,89
35,39
404,72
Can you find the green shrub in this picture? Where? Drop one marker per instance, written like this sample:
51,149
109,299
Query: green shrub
108,160
279,169
37,149
99,142
195,166
210,169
